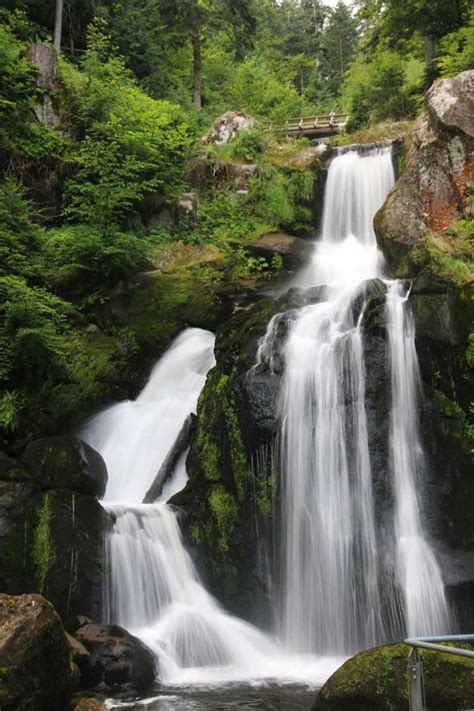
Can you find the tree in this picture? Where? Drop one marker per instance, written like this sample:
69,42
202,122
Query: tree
58,25
338,42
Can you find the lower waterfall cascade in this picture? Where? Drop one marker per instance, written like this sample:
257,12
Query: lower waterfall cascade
330,596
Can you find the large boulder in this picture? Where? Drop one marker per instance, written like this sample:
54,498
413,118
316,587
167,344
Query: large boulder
116,661
35,670
377,680
450,103
434,188
227,126
66,463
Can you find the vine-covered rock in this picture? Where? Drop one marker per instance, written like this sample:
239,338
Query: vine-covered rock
377,680
35,671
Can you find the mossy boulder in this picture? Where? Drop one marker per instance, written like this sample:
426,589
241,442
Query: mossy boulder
35,671
66,463
377,680
51,541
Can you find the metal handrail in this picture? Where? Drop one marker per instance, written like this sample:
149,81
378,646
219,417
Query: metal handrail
416,685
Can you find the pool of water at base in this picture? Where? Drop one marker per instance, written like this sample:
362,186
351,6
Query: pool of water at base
234,697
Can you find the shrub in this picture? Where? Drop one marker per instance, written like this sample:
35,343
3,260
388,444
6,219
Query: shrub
83,261
456,50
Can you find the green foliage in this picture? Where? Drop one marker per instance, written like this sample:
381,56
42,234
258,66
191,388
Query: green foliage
81,260
386,86
43,544
226,514
133,145
259,91
19,242
456,50
33,323
18,92
281,196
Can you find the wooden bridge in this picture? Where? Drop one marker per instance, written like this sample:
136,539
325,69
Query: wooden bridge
310,126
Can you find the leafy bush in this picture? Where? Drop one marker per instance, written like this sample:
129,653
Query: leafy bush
281,197
456,50
18,91
389,86
81,260
132,144
19,242
259,91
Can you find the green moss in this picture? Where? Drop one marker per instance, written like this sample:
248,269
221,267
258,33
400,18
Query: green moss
462,429
238,455
377,679
265,494
226,514
43,546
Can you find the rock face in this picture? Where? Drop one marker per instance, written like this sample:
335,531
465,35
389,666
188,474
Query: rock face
66,463
52,526
35,673
294,251
434,189
227,126
115,659
377,680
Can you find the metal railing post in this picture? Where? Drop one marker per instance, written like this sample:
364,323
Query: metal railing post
416,685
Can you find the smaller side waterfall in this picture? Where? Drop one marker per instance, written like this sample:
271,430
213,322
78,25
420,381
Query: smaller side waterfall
134,437
426,609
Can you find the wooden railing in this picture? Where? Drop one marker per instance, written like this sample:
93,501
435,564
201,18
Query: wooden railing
309,125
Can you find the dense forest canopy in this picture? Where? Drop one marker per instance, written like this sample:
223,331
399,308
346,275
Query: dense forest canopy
137,83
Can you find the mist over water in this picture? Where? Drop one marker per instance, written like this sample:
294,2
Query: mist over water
330,598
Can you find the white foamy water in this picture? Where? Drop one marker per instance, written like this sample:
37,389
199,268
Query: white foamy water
134,437
331,570
153,588
426,610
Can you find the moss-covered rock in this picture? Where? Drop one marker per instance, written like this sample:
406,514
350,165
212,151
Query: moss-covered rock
51,541
377,680
35,672
66,463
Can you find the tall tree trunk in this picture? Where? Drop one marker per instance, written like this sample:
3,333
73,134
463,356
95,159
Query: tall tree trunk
58,25
429,51
197,59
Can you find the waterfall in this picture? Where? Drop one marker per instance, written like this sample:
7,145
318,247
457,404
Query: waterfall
134,437
331,578
153,588
426,610
331,584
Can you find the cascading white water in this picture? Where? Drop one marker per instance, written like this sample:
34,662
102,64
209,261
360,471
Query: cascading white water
426,610
153,587
134,437
330,591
